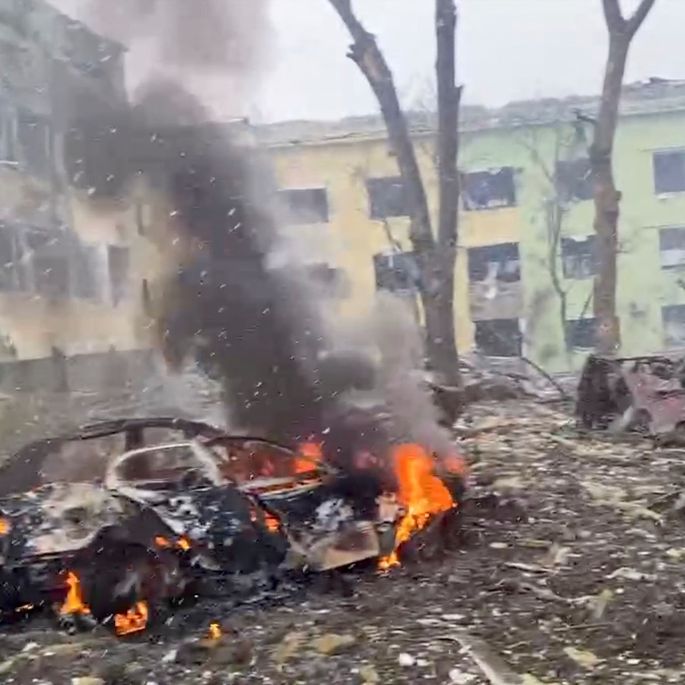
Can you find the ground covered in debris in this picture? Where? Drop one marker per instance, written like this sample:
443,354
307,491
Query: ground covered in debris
569,571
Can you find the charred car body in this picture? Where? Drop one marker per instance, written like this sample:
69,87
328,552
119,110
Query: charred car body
168,516
646,393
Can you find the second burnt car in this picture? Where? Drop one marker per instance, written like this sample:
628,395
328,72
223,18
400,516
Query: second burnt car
165,515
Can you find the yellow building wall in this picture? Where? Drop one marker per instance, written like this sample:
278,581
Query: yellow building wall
351,237
31,324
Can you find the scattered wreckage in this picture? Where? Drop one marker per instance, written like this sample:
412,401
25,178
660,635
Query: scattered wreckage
168,519
641,393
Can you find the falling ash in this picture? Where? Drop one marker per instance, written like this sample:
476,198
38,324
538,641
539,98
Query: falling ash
260,330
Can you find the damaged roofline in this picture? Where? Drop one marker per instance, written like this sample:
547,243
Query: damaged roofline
656,96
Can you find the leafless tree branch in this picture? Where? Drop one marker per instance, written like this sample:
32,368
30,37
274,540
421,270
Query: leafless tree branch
639,16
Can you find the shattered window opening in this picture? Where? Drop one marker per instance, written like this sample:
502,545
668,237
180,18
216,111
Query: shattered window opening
500,262
50,267
86,284
574,180
669,171
581,334
8,135
672,247
499,337
305,205
492,189
387,197
396,272
118,259
34,138
578,257
673,321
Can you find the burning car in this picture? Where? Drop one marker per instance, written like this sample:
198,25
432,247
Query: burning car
169,516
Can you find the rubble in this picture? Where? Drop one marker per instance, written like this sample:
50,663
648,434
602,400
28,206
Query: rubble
575,576
646,393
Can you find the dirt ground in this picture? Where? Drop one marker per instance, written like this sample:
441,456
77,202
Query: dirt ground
569,571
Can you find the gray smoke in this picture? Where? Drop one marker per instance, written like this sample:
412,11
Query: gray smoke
260,330
216,48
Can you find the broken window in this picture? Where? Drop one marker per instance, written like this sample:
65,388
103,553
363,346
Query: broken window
500,262
33,135
673,318
489,189
8,135
85,272
118,259
387,197
574,180
499,337
669,171
672,247
581,333
50,258
305,205
578,257
397,272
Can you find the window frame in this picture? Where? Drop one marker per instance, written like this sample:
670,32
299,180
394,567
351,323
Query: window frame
510,336
667,343
373,185
569,240
470,206
297,216
668,152
580,347
664,231
474,252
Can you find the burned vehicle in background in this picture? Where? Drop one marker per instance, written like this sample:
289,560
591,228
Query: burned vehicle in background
643,393
168,518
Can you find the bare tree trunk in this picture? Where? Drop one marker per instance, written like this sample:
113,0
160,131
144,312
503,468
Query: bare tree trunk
607,198
439,298
436,266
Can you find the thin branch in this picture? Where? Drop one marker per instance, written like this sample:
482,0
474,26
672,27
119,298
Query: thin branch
639,16
394,242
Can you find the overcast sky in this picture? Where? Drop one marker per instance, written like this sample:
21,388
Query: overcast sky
508,49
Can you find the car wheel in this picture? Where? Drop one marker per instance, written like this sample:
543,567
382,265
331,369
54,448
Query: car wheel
116,575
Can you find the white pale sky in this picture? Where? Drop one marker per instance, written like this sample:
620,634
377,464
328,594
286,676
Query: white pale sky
508,50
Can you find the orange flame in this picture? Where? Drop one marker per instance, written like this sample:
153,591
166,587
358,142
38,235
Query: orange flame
133,621
214,632
162,542
420,491
73,602
313,454
182,543
5,526
272,523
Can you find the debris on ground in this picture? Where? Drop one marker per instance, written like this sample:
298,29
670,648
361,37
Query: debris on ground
562,588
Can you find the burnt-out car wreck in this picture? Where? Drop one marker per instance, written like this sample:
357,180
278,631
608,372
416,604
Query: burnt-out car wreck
633,393
198,516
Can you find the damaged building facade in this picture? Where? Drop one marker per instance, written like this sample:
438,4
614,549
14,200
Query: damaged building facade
525,267
69,266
